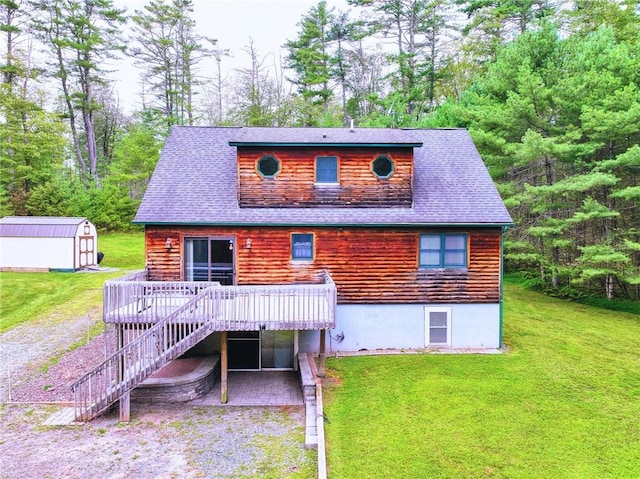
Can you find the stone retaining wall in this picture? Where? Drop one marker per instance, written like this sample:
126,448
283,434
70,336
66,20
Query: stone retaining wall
185,387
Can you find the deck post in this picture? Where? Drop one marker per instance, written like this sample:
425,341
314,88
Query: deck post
125,407
323,341
224,392
125,401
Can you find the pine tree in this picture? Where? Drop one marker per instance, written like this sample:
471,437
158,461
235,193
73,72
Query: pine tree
309,57
168,51
81,35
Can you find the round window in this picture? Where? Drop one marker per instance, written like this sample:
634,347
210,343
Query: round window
268,166
382,167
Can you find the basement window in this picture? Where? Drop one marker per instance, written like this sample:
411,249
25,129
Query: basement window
437,326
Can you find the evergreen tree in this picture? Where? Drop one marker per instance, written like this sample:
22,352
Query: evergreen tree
168,50
557,123
309,57
80,35
31,139
494,23
417,28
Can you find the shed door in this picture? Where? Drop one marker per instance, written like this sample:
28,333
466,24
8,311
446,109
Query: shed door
87,251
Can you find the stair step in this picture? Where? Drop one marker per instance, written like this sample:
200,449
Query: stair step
66,416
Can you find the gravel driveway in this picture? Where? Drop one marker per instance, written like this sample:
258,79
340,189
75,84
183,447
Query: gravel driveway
162,441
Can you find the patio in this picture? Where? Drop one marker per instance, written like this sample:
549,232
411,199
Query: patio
257,388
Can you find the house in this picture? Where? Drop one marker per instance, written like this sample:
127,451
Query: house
259,241
47,243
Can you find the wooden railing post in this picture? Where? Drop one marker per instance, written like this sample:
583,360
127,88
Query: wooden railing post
224,365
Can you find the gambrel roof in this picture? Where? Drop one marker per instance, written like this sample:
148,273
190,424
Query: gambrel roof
40,226
195,180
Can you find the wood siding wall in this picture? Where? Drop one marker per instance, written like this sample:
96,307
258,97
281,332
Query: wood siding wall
294,185
368,265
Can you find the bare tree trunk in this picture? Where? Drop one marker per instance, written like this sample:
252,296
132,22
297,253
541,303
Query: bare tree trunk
92,151
72,116
9,73
609,286
219,86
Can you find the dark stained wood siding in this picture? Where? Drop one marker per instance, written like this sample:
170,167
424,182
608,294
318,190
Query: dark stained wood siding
369,265
294,185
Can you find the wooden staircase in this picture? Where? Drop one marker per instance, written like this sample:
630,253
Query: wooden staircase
166,340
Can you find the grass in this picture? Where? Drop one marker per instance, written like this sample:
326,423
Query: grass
564,402
58,296
575,294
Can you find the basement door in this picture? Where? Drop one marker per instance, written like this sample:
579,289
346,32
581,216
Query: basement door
261,350
210,259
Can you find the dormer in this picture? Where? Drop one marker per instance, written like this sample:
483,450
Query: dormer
316,167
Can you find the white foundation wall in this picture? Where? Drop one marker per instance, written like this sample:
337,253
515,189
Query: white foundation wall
37,253
393,326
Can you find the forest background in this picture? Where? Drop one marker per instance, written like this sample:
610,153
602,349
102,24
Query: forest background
549,90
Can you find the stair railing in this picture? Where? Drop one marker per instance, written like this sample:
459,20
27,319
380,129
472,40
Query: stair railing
136,361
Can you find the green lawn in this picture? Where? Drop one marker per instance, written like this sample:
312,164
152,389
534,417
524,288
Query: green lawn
51,296
564,402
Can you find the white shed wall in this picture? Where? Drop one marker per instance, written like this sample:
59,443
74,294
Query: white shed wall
389,326
56,253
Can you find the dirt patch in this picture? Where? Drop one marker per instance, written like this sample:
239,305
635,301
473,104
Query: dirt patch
52,383
31,358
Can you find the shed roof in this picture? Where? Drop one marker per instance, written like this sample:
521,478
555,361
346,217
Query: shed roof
40,226
195,180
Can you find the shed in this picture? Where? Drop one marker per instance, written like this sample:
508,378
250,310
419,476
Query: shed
46,243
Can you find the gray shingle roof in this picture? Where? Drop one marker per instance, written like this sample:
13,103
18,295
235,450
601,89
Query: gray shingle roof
325,136
195,180
40,226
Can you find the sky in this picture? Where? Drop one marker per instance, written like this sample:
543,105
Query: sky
270,23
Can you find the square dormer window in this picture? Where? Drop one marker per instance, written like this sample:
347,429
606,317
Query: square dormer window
302,246
326,169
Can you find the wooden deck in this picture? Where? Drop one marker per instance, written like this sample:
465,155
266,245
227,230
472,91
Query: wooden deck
226,308
169,318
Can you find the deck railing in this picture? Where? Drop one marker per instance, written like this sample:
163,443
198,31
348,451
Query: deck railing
241,308
171,317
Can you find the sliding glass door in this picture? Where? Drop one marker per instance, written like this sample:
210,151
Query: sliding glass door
258,350
209,259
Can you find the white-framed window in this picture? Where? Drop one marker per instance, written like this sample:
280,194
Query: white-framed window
437,326
443,250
